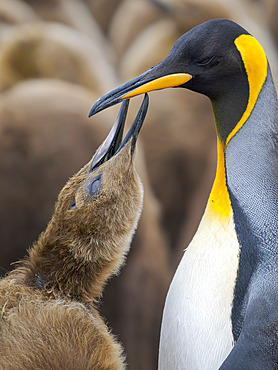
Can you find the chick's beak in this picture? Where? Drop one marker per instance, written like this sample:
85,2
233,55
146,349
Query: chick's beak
136,126
113,142
157,78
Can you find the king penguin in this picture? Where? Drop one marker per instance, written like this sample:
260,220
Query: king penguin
221,310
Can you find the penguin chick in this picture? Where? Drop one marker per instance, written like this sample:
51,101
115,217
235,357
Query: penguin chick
48,319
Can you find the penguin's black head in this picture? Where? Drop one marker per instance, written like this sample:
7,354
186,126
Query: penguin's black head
208,53
218,58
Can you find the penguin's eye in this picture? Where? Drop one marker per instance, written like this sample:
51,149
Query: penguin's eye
95,186
205,61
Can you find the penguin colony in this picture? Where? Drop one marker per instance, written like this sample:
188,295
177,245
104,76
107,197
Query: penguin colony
48,316
221,310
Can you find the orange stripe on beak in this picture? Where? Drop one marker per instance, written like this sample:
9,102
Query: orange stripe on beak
164,82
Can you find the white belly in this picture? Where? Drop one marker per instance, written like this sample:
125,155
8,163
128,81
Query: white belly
196,330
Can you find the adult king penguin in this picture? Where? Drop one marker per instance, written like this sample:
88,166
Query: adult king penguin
222,306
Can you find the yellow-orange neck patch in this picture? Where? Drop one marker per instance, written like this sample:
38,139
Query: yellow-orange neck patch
219,201
255,63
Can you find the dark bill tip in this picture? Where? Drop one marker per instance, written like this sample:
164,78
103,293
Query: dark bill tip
114,96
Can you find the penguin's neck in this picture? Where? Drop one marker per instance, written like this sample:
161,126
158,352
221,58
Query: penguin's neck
251,173
244,133
219,204
251,162
245,184
219,201
230,106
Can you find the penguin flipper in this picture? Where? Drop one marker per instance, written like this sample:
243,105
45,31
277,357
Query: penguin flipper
257,345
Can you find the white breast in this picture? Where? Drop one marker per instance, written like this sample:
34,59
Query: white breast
196,330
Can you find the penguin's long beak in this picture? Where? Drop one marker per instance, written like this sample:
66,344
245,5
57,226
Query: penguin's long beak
155,78
113,142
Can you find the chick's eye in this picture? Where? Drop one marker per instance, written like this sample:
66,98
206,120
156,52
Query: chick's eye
205,61
95,186
73,205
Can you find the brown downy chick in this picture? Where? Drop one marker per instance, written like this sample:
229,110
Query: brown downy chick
47,317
